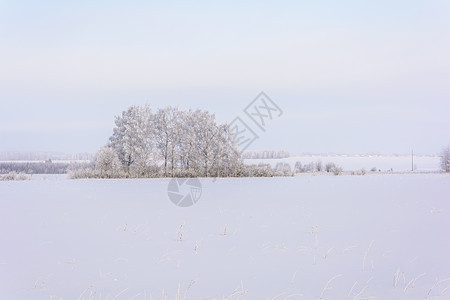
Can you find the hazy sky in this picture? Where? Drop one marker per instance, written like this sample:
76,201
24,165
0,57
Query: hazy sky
350,76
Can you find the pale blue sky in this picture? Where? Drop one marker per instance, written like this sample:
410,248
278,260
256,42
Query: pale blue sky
351,76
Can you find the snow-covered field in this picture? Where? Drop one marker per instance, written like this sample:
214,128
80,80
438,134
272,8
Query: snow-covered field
307,237
398,163
49,176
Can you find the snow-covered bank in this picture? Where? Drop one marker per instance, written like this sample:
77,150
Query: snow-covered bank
379,236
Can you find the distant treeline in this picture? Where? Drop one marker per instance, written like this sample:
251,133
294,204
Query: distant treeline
41,156
40,167
265,154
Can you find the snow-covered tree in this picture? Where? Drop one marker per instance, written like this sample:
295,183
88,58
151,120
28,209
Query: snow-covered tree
445,159
168,124
175,137
229,155
319,166
264,170
283,169
206,133
188,143
329,167
133,138
108,163
298,167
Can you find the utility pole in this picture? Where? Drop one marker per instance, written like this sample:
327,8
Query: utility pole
412,161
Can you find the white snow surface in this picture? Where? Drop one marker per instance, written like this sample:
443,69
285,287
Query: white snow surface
383,236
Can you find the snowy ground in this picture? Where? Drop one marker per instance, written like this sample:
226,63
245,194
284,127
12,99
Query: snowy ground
383,236
398,163
49,176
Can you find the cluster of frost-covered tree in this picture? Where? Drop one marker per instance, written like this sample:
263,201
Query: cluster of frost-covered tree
168,143
317,166
265,154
